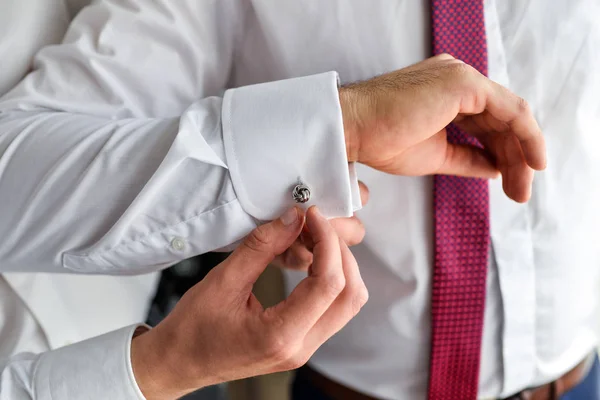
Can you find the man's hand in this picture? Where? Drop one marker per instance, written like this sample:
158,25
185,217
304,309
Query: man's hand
397,122
351,230
220,332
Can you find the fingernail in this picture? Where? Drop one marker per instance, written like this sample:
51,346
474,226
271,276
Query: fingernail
290,216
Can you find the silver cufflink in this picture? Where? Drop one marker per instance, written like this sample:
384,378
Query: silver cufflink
301,193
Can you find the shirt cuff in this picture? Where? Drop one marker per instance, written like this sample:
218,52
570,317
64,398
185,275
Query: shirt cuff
283,133
97,368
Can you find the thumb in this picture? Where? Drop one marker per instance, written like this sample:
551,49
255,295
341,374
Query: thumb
263,244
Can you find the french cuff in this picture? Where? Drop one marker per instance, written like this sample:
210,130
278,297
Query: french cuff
281,134
97,368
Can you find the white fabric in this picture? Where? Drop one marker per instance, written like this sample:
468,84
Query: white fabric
39,312
25,26
120,105
131,159
56,311
68,308
84,370
153,201
541,308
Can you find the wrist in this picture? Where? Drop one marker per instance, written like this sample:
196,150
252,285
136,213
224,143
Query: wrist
349,102
152,367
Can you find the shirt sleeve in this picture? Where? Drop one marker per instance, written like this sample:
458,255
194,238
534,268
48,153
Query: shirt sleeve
119,155
97,368
35,23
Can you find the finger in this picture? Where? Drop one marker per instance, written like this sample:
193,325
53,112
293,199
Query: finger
306,238
464,160
345,307
350,230
469,161
297,314
517,177
515,111
297,257
507,108
481,125
364,193
261,246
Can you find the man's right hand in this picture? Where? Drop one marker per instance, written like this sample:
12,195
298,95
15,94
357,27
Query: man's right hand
220,332
397,123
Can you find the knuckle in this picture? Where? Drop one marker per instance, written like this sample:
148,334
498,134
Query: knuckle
445,56
275,323
295,362
359,234
360,299
300,257
357,296
259,239
330,234
353,231
334,285
278,348
460,69
221,278
276,345
223,281
523,106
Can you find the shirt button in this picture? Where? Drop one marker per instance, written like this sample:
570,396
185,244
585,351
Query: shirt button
178,244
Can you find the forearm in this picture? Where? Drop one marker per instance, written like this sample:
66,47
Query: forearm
90,181
122,196
88,193
157,369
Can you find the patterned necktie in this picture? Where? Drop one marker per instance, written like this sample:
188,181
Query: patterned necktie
461,229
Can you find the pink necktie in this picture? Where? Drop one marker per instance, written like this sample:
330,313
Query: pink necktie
462,235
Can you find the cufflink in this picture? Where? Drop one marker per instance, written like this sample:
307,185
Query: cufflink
301,193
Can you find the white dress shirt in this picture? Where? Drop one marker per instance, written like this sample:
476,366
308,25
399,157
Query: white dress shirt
39,311
49,343
135,150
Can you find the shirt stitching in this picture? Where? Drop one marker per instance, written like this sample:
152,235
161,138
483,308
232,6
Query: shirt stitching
146,238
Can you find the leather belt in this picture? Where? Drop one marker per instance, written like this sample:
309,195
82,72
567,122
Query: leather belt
555,389
549,391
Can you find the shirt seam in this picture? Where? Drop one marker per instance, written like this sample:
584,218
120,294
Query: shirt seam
144,239
34,379
229,119
128,365
233,164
